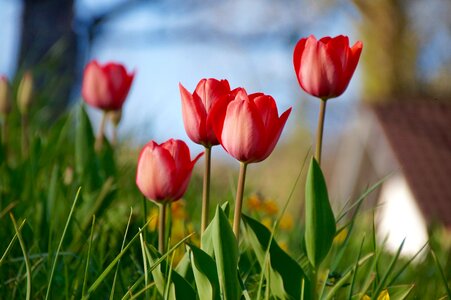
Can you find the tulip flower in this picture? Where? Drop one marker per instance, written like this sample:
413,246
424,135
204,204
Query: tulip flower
248,127
196,118
324,68
163,175
105,87
196,109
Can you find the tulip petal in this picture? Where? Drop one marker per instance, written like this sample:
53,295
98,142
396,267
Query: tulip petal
243,130
194,116
319,70
156,172
119,83
95,87
274,133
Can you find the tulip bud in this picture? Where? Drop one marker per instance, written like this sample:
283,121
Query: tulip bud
25,93
5,96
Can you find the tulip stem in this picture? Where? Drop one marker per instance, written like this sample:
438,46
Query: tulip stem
162,228
239,200
5,130
114,137
206,190
99,139
25,144
320,129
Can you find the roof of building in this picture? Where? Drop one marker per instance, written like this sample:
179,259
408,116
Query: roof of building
419,133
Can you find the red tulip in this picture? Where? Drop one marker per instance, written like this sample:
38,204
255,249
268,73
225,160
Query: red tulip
164,170
325,67
106,86
196,109
249,126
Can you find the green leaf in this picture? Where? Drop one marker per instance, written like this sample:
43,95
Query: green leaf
285,273
85,159
179,288
205,274
225,247
400,292
319,218
207,240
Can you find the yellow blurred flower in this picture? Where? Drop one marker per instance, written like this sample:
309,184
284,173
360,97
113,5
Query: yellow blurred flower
286,222
153,218
383,295
270,207
283,245
254,202
267,221
178,210
341,236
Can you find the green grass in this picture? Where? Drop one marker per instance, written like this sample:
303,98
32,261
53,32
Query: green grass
78,230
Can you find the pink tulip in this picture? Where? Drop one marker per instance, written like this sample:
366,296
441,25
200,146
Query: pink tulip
106,86
196,109
164,170
325,67
249,126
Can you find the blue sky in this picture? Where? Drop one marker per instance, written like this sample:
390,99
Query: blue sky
141,39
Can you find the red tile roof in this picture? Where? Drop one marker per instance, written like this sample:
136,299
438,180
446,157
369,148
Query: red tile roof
419,133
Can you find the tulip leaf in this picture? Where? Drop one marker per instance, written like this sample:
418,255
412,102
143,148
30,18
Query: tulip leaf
319,218
225,247
85,158
207,241
205,274
179,288
285,273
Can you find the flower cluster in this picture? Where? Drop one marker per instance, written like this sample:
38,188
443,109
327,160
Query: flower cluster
247,125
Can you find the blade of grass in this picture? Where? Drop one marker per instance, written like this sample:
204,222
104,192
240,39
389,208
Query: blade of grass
8,249
61,243
85,279
146,276
145,289
401,270
24,251
442,274
276,223
122,248
390,269
108,269
362,197
346,276
169,279
354,276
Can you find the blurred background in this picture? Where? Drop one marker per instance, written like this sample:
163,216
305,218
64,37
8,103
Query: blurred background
406,60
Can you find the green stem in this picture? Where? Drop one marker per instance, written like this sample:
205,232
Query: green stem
5,130
114,137
162,228
320,129
145,218
25,144
206,190
239,200
100,134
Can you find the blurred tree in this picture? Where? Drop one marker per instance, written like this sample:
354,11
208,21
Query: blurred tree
49,48
391,48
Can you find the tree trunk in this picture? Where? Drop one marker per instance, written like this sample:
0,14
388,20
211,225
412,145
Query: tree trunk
49,48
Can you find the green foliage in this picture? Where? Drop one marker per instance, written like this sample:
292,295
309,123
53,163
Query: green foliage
67,247
319,218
